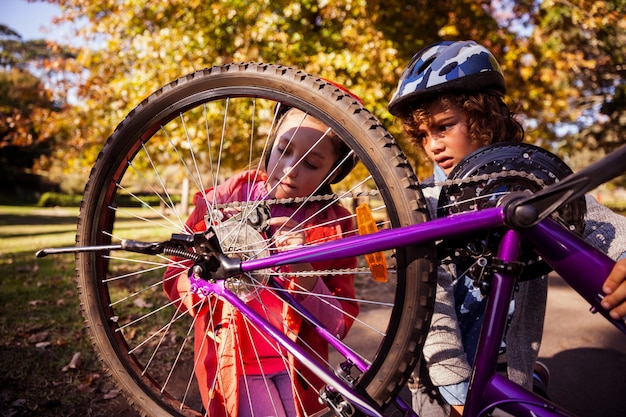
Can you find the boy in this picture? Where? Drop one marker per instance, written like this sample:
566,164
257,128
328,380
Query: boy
450,101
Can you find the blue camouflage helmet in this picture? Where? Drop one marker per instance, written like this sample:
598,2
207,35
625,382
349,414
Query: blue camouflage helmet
446,67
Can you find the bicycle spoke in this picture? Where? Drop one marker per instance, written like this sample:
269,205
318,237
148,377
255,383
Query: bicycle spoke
168,339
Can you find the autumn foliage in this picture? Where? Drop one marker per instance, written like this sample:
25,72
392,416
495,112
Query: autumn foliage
563,60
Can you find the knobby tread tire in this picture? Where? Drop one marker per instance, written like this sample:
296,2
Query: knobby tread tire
372,143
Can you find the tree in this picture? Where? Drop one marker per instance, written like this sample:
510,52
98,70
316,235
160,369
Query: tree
550,72
34,85
24,104
23,101
357,43
575,60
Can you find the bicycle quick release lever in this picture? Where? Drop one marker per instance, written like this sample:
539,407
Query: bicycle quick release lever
206,252
149,248
528,211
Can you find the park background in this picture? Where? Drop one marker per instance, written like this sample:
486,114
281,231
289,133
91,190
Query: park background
63,93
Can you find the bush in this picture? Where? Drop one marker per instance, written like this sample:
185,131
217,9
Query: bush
125,200
51,199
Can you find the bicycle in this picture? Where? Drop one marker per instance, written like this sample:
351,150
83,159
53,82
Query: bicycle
193,129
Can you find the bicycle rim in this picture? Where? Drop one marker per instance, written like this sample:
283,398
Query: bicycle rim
200,130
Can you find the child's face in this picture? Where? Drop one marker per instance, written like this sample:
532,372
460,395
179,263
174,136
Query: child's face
445,137
299,162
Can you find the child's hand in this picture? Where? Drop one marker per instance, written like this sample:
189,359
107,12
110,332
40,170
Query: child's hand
230,212
287,237
615,288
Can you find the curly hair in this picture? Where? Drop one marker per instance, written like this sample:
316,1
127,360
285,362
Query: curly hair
489,120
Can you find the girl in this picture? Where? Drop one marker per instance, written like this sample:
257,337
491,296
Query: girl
235,359
450,101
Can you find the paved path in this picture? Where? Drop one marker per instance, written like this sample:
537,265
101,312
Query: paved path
586,356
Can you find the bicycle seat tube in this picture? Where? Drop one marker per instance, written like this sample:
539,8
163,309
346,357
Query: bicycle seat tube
494,322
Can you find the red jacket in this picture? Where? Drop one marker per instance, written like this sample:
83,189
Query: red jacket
222,400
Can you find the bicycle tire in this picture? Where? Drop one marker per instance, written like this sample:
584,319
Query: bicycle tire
540,168
110,302
546,169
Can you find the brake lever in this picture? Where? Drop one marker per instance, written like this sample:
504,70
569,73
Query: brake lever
523,212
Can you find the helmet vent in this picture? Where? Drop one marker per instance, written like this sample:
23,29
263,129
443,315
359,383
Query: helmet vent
448,68
425,65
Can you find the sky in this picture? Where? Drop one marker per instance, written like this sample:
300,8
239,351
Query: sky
32,20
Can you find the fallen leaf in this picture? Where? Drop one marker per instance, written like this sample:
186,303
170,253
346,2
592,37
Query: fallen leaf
141,303
18,403
73,363
90,384
38,337
111,394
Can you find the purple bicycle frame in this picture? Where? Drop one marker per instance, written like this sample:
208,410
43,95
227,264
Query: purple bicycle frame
582,266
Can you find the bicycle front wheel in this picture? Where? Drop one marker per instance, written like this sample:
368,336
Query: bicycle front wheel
192,135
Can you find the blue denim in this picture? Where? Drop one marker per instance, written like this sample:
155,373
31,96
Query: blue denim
470,309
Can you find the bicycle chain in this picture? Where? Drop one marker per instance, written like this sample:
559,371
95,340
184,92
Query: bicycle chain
334,197
492,176
294,200
321,272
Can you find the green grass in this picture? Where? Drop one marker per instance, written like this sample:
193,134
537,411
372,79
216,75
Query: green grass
41,326
24,229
